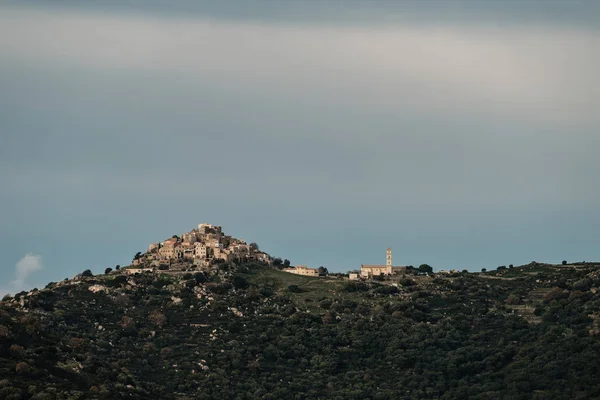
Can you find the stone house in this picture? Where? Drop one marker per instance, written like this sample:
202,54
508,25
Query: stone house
200,250
302,270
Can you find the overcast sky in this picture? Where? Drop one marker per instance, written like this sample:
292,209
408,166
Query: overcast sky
461,134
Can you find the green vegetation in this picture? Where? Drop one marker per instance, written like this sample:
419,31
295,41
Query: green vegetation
425,269
252,332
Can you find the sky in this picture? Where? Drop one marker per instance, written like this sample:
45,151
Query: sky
461,134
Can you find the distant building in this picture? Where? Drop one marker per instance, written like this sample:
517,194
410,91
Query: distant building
199,250
369,271
205,244
133,271
302,270
189,237
208,228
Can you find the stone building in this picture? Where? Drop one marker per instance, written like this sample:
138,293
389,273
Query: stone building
302,270
200,250
369,271
189,237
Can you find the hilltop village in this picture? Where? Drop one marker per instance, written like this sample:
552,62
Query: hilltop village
207,247
204,248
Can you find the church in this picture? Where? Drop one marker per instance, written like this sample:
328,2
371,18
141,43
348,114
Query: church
370,271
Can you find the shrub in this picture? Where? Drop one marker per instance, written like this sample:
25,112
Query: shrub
407,282
22,368
158,318
266,291
16,351
200,277
87,273
355,287
295,289
240,283
425,269
538,312
386,290
120,279
555,294
190,283
583,284
218,288
4,332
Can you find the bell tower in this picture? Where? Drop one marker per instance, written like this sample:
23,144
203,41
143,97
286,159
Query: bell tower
388,257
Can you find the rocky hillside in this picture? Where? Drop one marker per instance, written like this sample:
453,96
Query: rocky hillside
253,332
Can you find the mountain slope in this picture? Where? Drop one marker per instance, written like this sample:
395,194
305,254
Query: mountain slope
251,331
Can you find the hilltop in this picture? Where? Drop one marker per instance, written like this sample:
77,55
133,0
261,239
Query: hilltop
241,328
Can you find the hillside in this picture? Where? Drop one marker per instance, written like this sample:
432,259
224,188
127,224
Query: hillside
251,331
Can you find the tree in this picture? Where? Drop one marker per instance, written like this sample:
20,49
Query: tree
118,267
254,246
564,262
158,318
323,271
483,269
16,351
23,368
295,289
225,241
407,282
137,255
239,283
286,262
107,270
87,273
425,269
277,262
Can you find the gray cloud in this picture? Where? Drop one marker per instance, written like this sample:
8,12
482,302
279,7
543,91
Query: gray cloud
451,131
544,74
362,12
353,99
